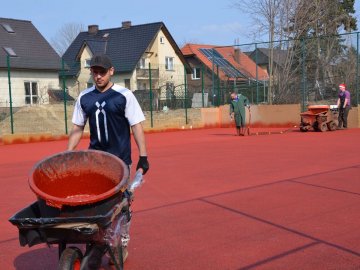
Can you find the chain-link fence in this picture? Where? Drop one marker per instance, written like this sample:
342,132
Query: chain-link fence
304,72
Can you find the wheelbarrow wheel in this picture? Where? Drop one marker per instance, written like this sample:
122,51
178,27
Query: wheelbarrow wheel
303,128
70,259
316,126
323,127
332,126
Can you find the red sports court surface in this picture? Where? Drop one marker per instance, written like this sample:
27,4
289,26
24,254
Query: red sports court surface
212,200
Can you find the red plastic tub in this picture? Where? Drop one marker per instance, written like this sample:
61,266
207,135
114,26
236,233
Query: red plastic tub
78,178
315,109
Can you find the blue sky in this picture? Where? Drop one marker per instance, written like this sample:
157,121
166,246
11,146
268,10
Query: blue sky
196,21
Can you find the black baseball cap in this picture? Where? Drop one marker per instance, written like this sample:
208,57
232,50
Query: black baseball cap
101,60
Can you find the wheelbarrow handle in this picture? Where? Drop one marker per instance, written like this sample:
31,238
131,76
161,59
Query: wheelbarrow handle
137,181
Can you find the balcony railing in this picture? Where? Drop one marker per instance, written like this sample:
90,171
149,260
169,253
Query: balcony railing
142,73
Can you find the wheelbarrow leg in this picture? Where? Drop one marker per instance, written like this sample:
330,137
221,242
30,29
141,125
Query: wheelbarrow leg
119,254
93,256
62,247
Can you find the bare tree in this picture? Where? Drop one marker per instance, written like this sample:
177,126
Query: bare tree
308,31
65,36
266,14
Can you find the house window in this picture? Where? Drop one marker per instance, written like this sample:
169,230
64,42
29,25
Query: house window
169,63
127,83
169,86
8,28
196,73
142,63
162,40
10,51
141,85
87,63
31,92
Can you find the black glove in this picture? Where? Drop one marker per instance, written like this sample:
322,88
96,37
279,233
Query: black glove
143,164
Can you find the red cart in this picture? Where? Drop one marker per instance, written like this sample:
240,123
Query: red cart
319,118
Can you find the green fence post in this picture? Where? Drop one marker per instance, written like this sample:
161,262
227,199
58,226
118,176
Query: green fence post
213,76
151,98
357,68
186,116
10,95
303,74
217,86
202,85
64,91
257,75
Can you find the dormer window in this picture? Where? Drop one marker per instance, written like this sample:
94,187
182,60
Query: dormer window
10,51
7,27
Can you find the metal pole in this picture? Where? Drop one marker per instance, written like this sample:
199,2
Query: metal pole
213,77
64,91
218,86
357,68
257,75
186,117
303,74
151,97
202,85
10,97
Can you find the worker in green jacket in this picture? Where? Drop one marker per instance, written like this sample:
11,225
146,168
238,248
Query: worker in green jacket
237,112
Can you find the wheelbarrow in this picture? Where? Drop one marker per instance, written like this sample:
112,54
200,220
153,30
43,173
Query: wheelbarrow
319,118
80,200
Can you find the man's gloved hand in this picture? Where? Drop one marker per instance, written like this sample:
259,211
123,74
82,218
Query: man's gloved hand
143,164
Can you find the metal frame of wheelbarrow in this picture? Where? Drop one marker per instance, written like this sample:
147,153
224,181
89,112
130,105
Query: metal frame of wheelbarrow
35,229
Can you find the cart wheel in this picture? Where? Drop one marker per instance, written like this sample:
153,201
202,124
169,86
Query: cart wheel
316,126
323,127
332,126
303,129
70,259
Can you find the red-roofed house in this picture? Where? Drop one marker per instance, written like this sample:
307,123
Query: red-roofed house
235,69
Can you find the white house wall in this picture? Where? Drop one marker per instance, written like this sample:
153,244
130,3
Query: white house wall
44,79
155,55
165,49
76,85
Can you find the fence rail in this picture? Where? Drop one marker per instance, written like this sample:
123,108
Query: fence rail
305,71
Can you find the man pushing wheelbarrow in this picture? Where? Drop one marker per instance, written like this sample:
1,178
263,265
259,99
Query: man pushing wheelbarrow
84,196
112,111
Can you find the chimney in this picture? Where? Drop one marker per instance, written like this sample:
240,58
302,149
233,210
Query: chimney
237,55
126,24
93,29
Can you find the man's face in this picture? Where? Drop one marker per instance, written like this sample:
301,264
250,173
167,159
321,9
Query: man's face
342,88
233,96
101,76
